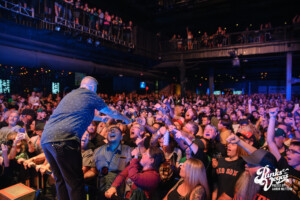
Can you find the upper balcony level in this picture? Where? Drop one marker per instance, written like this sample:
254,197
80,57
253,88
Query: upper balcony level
248,43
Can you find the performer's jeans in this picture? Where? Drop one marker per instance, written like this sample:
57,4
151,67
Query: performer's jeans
66,164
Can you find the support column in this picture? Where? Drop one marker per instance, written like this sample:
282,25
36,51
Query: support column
211,81
249,91
182,72
289,59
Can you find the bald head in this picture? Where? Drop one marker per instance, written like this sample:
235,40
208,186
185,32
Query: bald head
89,83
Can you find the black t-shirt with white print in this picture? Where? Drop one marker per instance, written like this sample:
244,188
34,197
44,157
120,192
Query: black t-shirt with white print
228,173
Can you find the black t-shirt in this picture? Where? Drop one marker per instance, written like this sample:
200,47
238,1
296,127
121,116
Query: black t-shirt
293,183
96,142
228,173
200,154
3,124
72,116
130,142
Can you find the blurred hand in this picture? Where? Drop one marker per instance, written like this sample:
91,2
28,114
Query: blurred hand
273,112
172,128
157,106
135,153
141,121
233,139
20,160
4,148
110,192
214,162
140,141
127,121
179,135
37,168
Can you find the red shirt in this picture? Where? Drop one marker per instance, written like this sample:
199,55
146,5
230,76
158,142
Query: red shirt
147,180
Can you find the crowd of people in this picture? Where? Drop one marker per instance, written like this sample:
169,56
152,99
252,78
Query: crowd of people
192,147
77,12
221,38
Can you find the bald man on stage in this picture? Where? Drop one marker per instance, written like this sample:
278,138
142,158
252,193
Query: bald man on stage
62,135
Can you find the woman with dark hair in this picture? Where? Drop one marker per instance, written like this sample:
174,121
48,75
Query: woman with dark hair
193,183
143,173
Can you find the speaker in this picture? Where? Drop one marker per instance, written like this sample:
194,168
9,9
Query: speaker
17,192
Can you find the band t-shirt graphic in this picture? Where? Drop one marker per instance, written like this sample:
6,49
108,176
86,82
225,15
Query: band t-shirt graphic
228,173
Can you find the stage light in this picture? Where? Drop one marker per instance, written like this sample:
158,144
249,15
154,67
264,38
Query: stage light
97,43
89,41
57,28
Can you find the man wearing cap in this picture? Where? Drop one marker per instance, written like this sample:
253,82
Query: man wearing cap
41,114
292,162
248,137
62,135
109,160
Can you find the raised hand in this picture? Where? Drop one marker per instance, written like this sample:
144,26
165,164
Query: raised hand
233,139
110,192
273,112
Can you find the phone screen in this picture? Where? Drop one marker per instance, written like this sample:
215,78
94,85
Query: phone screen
22,130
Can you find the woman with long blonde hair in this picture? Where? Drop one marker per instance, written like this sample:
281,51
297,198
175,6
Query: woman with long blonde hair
193,183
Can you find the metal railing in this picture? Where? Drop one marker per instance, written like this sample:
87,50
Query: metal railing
17,8
286,33
61,22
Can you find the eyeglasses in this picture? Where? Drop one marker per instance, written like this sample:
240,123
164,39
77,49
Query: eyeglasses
292,151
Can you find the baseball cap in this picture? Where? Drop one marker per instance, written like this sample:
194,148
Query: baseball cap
41,110
280,132
247,135
261,157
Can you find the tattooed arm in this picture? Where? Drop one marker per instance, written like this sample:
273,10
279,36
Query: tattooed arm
198,193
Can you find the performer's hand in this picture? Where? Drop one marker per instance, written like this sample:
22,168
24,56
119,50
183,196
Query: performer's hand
127,121
111,191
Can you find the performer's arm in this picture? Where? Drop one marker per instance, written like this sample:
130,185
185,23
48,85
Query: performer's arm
115,114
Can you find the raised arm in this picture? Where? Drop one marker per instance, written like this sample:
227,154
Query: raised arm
184,137
233,139
115,114
271,132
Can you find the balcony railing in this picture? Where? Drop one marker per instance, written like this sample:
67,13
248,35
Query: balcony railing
60,24
286,33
